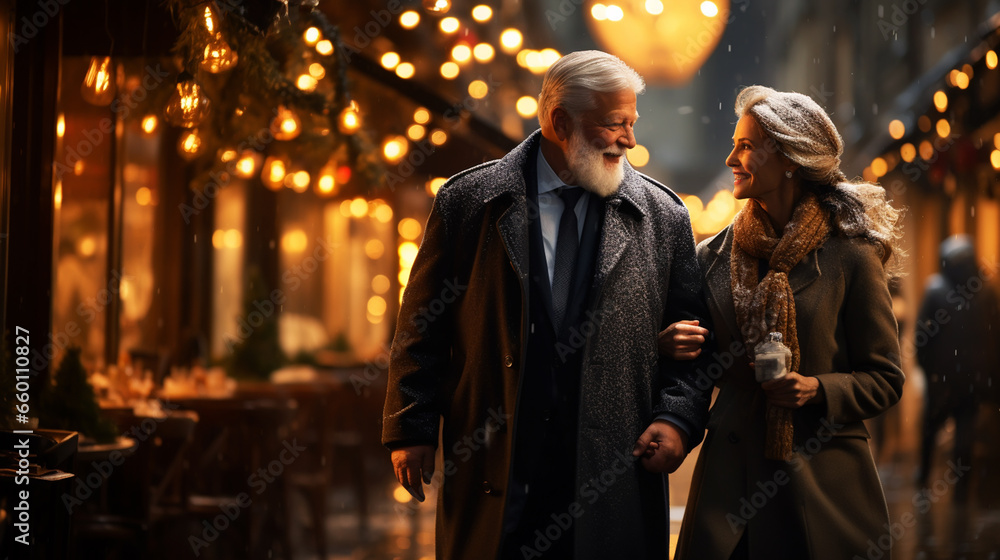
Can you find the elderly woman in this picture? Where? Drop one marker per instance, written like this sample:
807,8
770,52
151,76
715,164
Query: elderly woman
786,471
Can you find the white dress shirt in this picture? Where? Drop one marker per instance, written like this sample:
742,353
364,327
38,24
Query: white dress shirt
550,208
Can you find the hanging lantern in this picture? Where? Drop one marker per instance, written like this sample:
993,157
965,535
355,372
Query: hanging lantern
219,56
190,145
286,124
350,119
188,106
96,88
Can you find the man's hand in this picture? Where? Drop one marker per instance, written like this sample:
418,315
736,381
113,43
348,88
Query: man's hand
662,447
412,465
793,390
682,340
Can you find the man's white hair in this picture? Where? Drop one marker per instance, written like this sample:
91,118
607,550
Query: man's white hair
570,83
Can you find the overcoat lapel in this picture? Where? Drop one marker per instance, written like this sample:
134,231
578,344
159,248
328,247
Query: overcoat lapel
717,274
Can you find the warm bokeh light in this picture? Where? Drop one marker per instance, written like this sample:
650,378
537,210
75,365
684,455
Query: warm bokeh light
409,19
694,206
190,144
995,159
405,70
449,70
327,184
907,152
380,284
478,89
233,239
273,173
407,252
376,305
449,25
394,148
868,175
940,101
311,35
350,119
416,132
437,6
359,207
461,52
149,123
306,83
435,184
549,57
439,137
401,495
638,156
926,150
409,229
897,129
294,241
879,167
300,181
614,12
991,59
483,52
324,47
482,13
527,107
390,60
709,8
962,80
654,7
247,164
374,249
421,116
511,40
996,140
286,124
943,128
599,12
61,125
143,196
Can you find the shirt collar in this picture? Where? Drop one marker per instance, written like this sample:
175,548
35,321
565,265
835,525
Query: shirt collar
548,180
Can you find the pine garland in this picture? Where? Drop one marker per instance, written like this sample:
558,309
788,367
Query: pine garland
245,99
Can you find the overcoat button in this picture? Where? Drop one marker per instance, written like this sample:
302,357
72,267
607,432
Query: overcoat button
508,361
733,438
487,487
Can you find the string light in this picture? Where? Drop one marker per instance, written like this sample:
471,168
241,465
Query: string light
306,83
405,70
286,124
478,89
437,6
449,70
96,88
421,116
324,47
149,123
311,36
897,129
61,125
461,52
416,132
409,19
638,156
219,56
943,128
246,166
511,40
482,13
483,52
317,71
449,25
190,144
188,105
907,152
273,173
527,107
991,59
940,101
349,120
394,148
390,60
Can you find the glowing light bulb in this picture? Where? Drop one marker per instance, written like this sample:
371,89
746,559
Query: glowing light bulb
449,70
324,47
190,144
527,107
437,6
96,88
306,83
483,52
482,13
461,53
61,125
311,36
246,166
405,70
149,123
209,19
273,173
316,70
286,124
897,129
349,120
188,106
449,25
394,148
409,19
390,60
218,56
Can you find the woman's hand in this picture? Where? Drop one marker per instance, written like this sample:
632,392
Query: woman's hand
682,340
793,390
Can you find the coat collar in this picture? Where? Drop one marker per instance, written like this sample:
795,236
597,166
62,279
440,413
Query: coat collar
719,278
512,168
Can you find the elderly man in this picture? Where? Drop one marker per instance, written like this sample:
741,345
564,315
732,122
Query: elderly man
527,337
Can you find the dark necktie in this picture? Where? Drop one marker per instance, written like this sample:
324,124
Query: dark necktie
567,243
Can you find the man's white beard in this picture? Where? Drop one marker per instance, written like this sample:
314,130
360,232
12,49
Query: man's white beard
586,163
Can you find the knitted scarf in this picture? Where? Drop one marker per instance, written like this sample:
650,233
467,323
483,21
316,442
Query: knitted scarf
768,305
